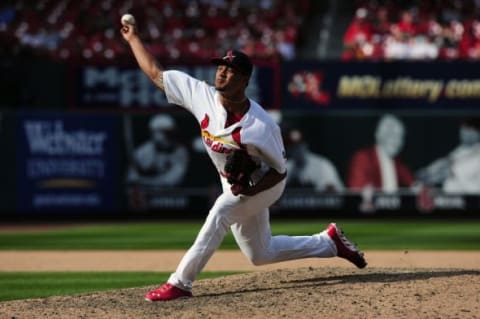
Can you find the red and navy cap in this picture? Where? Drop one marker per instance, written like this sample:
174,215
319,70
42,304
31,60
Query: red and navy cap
236,60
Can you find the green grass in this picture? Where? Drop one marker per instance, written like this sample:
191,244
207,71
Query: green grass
400,235
20,285
412,235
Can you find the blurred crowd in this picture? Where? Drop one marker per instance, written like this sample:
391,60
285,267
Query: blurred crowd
410,30
88,29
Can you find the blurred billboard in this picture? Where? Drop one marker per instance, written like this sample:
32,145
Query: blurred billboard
369,85
127,88
66,161
361,138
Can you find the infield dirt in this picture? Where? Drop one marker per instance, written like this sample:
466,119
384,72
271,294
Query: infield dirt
285,293
437,286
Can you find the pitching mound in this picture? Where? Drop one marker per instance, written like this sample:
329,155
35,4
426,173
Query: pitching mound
288,293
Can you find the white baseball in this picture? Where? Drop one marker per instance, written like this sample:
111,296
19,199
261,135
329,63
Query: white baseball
127,19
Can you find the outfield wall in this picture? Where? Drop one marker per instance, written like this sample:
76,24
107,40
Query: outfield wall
96,146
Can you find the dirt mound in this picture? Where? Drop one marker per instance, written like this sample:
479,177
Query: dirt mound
287,293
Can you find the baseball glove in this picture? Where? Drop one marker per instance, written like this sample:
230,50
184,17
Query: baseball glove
238,170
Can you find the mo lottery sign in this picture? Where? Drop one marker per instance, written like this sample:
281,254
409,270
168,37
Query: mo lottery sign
382,85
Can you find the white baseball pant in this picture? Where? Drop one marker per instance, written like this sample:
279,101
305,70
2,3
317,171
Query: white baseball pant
248,218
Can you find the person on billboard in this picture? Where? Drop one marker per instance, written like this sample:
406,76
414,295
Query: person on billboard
160,161
458,171
378,166
306,169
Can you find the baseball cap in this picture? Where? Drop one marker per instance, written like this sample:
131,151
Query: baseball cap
236,60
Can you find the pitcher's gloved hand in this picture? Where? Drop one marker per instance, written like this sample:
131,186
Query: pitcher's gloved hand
238,170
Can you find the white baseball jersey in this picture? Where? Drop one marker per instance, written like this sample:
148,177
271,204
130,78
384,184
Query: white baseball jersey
256,132
247,217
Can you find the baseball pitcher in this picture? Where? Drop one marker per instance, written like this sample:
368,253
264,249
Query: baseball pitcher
246,147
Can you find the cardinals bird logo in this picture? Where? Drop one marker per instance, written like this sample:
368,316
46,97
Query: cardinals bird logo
229,56
204,123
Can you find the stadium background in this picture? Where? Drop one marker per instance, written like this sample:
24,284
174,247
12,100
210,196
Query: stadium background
327,71
83,180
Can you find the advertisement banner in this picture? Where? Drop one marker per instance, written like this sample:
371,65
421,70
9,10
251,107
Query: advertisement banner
66,161
376,85
128,88
382,162
337,164
167,168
